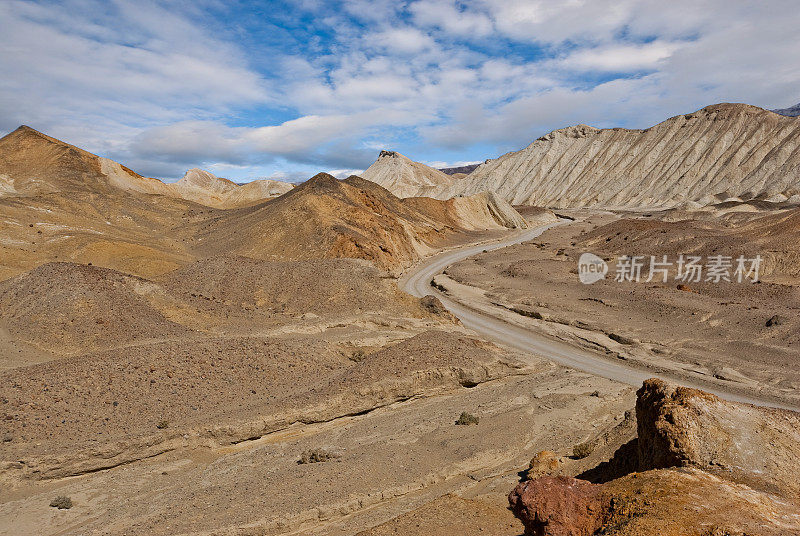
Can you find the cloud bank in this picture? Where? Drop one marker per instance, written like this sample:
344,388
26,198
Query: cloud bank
288,89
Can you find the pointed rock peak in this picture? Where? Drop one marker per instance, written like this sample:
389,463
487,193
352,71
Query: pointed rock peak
24,132
320,181
26,128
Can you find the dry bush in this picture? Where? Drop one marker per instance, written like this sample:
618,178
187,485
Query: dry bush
582,450
62,502
466,419
316,456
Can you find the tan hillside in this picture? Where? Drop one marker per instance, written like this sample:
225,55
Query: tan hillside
722,151
32,163
255,192
207,189
63,204
325,217
65,307
404,177
203,187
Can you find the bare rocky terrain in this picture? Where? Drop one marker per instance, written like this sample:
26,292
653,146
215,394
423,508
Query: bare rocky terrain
210,358
166,362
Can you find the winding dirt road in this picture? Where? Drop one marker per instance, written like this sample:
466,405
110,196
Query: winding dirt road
417,282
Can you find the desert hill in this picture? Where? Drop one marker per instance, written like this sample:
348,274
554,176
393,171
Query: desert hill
325,217
67,307
722,151
404,177
322,287
32,163
207,189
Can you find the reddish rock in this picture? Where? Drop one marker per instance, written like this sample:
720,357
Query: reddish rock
559,506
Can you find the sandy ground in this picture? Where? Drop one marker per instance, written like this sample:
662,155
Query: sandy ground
389,461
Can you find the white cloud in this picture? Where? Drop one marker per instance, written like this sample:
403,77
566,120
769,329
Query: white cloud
113,67
446,15
403,40
620,58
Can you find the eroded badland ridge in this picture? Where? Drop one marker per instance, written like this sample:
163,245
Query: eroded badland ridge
722,151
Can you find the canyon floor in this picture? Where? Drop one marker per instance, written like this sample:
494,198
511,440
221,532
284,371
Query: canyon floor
185,402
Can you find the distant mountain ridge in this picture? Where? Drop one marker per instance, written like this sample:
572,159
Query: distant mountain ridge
792,111
466,170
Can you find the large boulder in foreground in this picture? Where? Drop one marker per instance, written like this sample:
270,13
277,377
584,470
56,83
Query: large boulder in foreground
663,502
707,468
559,506
683,427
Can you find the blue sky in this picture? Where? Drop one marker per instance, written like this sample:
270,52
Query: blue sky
286,89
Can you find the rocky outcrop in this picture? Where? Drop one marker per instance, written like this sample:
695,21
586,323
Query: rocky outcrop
731,465
722,151
404,177
682,427
559,506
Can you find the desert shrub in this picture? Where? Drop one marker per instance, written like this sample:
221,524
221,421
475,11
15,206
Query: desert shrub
582,450
358,355
62,502
316,456
466,419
